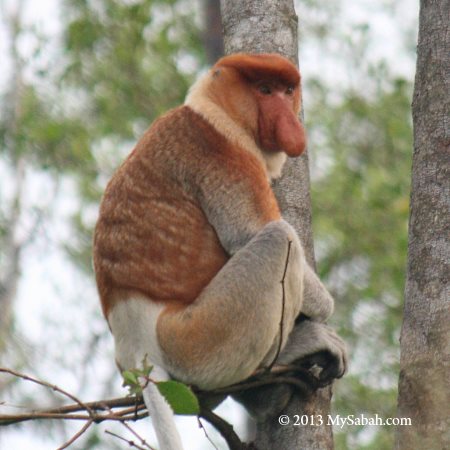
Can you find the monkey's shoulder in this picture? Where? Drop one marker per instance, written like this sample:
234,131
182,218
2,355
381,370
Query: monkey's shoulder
182,150
186,135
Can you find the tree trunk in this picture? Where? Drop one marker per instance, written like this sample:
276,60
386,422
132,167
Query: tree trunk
258,26
212,35
424,393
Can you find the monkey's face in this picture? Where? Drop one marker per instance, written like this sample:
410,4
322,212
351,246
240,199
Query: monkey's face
262,94
279,129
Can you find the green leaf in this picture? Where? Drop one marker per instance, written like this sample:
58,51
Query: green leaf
146,368
180,397
129,378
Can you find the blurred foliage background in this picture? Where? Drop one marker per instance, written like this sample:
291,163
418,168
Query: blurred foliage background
76,98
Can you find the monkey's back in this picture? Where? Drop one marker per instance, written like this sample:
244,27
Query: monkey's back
152,238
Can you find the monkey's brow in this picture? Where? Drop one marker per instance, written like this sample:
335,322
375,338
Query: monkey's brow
274,83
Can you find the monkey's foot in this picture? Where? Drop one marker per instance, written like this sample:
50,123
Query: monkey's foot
317,348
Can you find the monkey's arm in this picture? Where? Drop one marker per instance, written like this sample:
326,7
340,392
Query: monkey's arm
239,208
236,198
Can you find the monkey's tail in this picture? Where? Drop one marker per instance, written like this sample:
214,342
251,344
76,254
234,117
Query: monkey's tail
162,418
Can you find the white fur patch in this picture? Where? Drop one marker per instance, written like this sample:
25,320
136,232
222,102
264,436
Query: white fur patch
162,418
274,163
133,325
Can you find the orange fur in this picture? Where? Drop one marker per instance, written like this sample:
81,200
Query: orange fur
152,236
154,239
190,246
258,67
270,119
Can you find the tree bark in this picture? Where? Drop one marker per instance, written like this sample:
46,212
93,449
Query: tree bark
263,26
212,35
424,394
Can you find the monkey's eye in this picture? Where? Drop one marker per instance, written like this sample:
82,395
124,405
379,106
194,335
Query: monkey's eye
265,89
290,90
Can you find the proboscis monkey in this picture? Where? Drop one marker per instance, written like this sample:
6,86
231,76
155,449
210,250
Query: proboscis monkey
190,246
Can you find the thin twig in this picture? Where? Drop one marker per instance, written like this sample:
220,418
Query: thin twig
130,443
200,424
9,419
143,441
51,386
136,435
102,405
77,435
133,410
225,429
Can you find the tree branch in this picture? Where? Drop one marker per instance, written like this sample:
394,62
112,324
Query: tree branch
126,409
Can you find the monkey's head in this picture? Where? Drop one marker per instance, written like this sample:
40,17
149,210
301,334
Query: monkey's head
262,94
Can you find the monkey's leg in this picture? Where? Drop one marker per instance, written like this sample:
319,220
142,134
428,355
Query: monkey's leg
234,324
